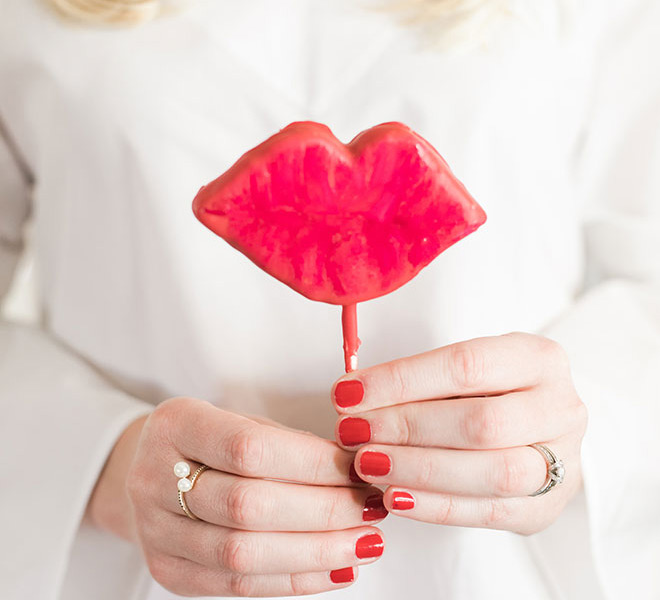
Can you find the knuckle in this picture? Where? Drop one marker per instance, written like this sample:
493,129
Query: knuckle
241,585
517,334
299,584
169,410
397,381
467,366
138,482
496,513
407,432
168,572
553,352
236,554
425,471
444,510
335,512
483,425
324,551
246,449
318,461
536,524
161,570
244,505
168,416
510,476
581,417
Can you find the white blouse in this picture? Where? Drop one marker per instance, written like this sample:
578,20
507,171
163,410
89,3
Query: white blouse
108,133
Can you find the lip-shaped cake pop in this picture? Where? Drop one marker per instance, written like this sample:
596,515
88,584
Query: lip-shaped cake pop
340,223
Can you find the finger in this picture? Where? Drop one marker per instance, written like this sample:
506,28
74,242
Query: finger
520,515
514,419
488,365
261,505
266,421
229,442
510,472
187,578
251,552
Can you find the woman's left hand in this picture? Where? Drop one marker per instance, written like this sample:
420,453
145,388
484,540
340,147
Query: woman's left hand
449,431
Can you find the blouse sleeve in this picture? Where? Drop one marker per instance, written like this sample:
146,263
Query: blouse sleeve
60,419
612,333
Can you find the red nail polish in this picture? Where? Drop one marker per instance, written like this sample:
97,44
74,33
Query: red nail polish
342,575
354,431
375,464
369,546
402,501
374,509
349,393
353,476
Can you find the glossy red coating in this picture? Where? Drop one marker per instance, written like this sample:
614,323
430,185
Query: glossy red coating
374,508
402,501
375,464
345,575
353,431
340,223
353,476
350,335
349,393
369,546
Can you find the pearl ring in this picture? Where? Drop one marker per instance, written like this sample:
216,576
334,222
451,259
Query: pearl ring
182,470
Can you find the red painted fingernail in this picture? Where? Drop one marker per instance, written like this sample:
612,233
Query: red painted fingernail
354,431
369,546
342,575
375,464
374,509
353,476
349,393
402,501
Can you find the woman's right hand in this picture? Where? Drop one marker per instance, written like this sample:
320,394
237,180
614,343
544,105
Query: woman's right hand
255,536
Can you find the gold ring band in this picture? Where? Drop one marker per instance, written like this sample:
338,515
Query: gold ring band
182,499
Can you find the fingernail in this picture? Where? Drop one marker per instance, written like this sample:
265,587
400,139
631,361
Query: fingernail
349,393
375,464
369,546
353,476
402,501
374,509
353,431
342,575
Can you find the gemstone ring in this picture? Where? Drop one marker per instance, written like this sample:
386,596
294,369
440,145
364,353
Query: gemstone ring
556,469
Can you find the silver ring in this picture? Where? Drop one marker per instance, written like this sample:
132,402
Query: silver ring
556,470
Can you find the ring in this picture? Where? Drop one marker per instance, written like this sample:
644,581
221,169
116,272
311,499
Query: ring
182,470
556,470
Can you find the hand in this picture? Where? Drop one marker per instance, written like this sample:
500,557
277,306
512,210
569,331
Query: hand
258,533
449,430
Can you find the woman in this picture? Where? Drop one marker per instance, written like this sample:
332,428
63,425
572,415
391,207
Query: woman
112,131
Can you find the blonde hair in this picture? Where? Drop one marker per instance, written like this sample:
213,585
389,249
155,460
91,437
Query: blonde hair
447,23
443,24
450,14
118,12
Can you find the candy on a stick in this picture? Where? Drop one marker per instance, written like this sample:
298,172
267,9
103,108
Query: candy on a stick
340,223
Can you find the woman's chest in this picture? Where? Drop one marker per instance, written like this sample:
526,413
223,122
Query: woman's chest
123,127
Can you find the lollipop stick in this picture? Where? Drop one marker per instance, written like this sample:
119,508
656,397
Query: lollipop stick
350,333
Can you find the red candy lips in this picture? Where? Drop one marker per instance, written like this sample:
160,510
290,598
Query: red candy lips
340,223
